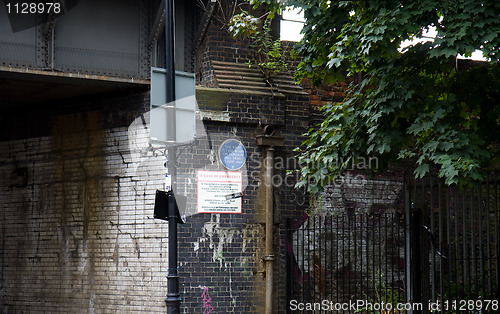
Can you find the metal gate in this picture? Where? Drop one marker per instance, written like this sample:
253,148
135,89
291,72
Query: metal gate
440,254
345,262
454,246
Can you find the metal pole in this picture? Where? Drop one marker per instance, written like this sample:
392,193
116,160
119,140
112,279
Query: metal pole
415,256
269,256
408,268
173,297
289,254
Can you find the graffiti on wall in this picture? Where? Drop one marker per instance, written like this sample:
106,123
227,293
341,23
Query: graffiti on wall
207,308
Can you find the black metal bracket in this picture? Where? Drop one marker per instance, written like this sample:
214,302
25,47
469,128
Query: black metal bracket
162,150
164,202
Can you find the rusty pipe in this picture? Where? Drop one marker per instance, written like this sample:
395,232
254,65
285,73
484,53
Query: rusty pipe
269,255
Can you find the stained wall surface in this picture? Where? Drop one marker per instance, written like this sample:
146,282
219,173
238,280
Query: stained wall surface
77,184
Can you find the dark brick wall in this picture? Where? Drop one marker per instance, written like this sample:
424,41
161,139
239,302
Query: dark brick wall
79,236
108,254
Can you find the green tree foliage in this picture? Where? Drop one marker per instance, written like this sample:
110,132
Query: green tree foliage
415,103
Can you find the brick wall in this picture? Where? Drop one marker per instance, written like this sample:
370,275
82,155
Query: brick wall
78,235
219,45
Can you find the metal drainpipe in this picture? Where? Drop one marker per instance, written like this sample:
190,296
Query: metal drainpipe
269,256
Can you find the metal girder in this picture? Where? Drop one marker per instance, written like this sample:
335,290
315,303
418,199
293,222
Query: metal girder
158,25
49,24
205,19
48,29
51,18
23,86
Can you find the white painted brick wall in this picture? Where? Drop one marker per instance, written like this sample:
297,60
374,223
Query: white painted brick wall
81,236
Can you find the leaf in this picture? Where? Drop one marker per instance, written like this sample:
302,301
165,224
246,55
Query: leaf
446,146
334,62
421,170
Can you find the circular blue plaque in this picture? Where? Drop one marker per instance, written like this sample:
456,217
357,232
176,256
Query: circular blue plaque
232,154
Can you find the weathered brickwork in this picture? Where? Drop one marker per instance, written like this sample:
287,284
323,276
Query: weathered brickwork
220,45
79,236
220,254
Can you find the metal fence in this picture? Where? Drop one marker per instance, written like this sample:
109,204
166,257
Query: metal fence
457,245
442,252
334,260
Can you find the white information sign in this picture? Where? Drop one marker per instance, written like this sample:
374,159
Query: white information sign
219,192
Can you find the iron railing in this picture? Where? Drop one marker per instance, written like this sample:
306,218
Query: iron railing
460,245
444,250
346,258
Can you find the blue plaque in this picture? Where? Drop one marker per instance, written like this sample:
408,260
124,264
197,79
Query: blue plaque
232,154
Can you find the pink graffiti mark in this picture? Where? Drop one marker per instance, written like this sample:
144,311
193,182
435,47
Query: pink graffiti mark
207,308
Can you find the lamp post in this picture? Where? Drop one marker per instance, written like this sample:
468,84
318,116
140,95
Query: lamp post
173,297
